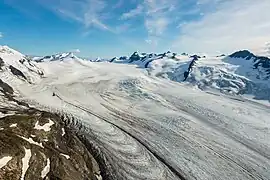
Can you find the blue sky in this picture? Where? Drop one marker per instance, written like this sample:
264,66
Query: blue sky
108,28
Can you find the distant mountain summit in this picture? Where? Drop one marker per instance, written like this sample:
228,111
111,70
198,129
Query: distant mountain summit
56,57
242,72
260,63
245,54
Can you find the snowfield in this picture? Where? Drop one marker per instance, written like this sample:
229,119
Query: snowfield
151,128
241,73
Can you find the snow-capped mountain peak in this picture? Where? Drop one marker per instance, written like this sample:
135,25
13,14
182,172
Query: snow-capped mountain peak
15,65
260,65
245,54
7,50
56,57
239,73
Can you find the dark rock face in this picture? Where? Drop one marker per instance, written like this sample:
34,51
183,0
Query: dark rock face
162,55
259,61
22,61
6,88
263,61
123,58
147,64
243,54
191,65
222,55
195,57
113,59
47,57
134,57
2,63
17,72
184,54
68,157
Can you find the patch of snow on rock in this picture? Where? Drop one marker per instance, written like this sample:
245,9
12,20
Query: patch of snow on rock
13,125
25,161
66,156
4,161
46,127
46,169
31,141
99,177
63,132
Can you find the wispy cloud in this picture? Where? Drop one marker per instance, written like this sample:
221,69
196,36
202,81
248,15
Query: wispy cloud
190,25
119,4
122,28
267,48
158,15
231,26
156,26
91,13
88,12
1,34
133,12
76,51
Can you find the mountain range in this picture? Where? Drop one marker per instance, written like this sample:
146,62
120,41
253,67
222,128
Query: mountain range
148,116
241,73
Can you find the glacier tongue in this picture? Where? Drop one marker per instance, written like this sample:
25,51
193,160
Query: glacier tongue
150,128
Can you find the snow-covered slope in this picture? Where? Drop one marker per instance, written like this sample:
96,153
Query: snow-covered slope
250,65
56,57
140,126
15,66
151,128
240,73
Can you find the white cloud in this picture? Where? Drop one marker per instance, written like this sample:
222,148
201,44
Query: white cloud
133,12
267,48
156,13
153,41
118,4
76,51
88,12
1,35
233,25
156,26
158,16
122,28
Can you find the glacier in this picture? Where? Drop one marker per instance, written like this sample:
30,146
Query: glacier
143,126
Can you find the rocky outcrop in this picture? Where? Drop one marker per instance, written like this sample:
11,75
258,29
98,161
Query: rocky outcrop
17,72
40,145
243,54
2,63
191,65
134,57
113,59
261,63
37,145
5,88
195,57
